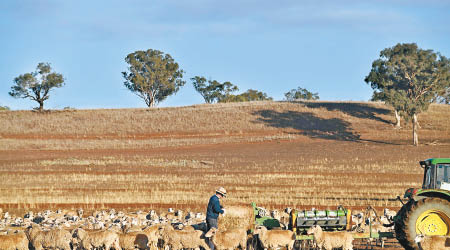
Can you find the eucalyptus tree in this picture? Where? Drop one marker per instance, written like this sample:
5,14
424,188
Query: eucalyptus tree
247,96
212,90
152,75
300,93
409,79
37,85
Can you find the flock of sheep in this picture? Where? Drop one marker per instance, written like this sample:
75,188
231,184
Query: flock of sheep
111,229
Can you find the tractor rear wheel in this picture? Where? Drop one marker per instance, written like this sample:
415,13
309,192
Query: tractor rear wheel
429,216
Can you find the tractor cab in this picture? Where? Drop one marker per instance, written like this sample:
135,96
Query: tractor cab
436,174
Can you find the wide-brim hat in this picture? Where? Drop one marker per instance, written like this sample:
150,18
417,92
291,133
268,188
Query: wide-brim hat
222,191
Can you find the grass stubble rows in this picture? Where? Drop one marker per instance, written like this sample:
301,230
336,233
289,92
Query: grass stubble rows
277,154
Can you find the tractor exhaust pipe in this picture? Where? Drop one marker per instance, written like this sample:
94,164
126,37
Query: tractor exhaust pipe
400,199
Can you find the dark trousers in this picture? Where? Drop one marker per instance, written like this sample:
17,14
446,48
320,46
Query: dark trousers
210,223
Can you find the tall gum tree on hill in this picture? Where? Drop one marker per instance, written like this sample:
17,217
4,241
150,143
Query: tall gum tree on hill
37,85
409,79
152,75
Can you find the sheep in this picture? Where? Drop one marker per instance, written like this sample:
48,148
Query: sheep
17,241
275,238
275,214
55,238
152,233
179,239
179,214
376,227
432,242
229,239
329,240
132,240
389,214
288,210
97,239
284,219
357,218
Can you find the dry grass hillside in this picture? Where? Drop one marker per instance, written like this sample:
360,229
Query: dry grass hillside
277,154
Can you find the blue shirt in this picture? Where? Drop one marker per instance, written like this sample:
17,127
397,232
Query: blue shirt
214,208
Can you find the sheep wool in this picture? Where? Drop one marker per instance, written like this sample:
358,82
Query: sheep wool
276,238
55,238
433,242
97,239
17,241
230,239
330,240
133,240
179,239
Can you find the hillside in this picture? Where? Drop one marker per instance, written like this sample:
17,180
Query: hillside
273,153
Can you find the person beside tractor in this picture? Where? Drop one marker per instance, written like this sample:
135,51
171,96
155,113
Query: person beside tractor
212,213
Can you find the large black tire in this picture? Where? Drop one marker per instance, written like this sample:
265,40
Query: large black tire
405,226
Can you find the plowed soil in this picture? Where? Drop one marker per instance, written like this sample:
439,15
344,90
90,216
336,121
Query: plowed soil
301,155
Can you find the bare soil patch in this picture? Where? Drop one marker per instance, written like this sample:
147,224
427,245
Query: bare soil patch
277,154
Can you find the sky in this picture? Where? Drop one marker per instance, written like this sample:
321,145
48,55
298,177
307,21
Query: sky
325,46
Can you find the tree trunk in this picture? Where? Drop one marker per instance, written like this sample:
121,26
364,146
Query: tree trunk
415,136
41,106
397,119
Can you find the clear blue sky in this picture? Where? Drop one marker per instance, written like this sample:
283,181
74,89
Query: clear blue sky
325,46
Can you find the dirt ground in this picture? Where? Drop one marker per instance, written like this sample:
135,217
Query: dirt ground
299,155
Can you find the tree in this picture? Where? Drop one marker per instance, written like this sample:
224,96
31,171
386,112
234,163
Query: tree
249,95
214,91
301,93
152,76
37,85
4,108
409,79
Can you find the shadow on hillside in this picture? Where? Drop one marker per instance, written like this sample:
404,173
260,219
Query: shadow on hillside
359,110
309,124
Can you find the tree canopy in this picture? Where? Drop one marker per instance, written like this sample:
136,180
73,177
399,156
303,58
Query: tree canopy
247,96
302,94
409,79
212,90
37,85
152,75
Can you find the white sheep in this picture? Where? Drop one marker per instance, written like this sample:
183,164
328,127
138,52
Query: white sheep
90,240
330,240
389,214
229,239
434,242
54,238
275,214
17,241
133,240
153,235
179,239
275,238
376,227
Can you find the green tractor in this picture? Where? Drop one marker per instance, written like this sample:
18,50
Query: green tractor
427,211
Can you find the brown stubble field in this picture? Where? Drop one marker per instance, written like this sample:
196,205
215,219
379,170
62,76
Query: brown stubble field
277,154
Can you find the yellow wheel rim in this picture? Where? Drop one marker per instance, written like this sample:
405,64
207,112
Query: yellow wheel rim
433,222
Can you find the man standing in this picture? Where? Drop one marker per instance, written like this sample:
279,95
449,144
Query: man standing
213,211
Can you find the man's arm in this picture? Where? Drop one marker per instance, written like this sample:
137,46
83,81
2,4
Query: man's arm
217,207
